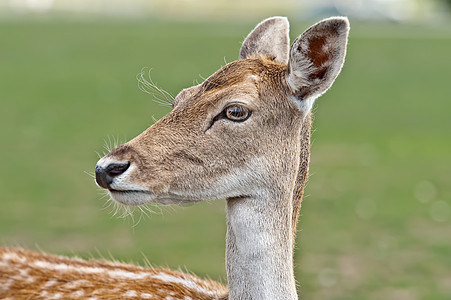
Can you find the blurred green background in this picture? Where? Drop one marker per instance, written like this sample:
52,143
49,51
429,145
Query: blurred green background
376,221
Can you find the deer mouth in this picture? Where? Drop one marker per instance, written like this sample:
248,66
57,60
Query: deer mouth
131,197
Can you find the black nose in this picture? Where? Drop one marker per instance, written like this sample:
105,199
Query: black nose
105,176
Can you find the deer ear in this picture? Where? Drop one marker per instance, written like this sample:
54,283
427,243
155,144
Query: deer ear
316,59
270,38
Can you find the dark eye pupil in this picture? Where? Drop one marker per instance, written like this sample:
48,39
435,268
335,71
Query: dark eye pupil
236,113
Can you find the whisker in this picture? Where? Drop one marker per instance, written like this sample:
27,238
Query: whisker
111,142
142,212
125,212
147,85
150,210
135,224
107,144
90,174
99,155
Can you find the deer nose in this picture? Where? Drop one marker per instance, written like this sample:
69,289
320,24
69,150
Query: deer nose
105,175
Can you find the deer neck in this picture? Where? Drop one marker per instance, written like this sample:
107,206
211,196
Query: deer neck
259,253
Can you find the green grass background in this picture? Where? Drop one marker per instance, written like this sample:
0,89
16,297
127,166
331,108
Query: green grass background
376,221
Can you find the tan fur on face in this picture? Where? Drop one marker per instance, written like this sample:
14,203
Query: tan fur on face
193,168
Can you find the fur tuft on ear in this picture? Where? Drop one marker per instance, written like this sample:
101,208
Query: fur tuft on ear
316,59
269,38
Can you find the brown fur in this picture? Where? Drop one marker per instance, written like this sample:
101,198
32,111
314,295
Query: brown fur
23,276
177,165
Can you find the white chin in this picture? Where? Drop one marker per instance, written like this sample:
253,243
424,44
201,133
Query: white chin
132,198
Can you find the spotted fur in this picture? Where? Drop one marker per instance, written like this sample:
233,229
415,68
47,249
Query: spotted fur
33,275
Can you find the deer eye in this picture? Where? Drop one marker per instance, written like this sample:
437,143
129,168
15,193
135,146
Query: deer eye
237,113
234,112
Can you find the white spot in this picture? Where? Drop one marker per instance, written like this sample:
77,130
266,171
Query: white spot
56,296
23,276
183,281
78,294
44,294
130,294
24,273
14,256
77,283
146,296
116,273
50,283
6,285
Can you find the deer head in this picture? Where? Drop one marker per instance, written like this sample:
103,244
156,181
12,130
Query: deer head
238,132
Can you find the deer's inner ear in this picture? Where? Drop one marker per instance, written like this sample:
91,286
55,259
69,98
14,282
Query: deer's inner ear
316,58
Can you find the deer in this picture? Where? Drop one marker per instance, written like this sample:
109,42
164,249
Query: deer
242,135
